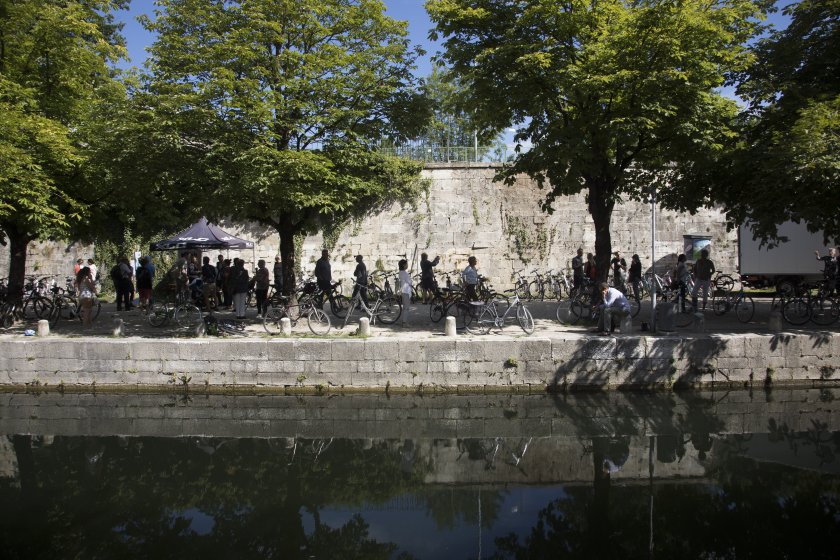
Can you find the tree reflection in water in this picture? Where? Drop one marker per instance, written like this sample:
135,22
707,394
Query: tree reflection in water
635,476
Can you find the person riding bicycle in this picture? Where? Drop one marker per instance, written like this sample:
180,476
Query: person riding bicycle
703,270
427,276
470,276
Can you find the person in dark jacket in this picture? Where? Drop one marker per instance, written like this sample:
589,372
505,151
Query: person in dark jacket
239,287
427,277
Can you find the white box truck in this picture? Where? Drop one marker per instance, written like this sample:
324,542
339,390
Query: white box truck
785,265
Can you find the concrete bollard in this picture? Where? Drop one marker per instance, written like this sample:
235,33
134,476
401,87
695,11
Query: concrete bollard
286,326
626,324
666,314
774,323
698,325
449,328
201,329
43,327
119,328
364,326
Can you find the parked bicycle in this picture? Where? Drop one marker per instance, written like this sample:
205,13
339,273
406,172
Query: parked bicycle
280,307
743,305
178,308
488,316
384,309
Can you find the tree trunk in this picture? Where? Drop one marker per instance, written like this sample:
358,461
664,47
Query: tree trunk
287,232
18,243
601,207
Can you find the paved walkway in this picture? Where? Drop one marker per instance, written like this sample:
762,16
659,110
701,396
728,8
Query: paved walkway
421,326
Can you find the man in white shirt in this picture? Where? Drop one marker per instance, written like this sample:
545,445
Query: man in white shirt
615,305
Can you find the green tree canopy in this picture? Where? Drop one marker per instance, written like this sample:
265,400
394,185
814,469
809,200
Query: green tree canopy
601,89
786,164
54,71
292,95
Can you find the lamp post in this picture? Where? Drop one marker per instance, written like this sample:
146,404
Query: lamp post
653,257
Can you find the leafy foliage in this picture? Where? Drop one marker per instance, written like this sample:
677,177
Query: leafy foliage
286,100
791,129
600,89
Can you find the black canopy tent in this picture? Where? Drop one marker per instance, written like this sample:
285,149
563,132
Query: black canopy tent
202,235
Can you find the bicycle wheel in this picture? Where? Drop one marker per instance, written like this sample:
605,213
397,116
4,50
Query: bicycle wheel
319,322
271,320
796,311
725,283
159,314
483,322
388,310
437,308
188,315
685,314
526,320
745,309
721,305
95,309
7,315
824,311
578,310
69,309
534,290
339,306
41,307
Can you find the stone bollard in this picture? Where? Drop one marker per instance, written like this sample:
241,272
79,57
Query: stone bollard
43,327
698,325
201,329
364,326
119,328
626,324
774,323
286,326
666,314
449,328
564,313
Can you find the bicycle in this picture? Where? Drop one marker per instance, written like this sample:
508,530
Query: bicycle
820,308
488,317
386,309
520,285
280,308
185,313
742,304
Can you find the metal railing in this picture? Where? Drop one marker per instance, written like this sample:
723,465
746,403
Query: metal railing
449,154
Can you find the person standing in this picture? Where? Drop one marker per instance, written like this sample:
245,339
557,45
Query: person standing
619,266
634,275
323,275
615,305
830,267
262,281
226,284
589,269
405,289
94,271
77,266
208,282
427,276
86,288
144,284
278,274
240,283
361,276
470,276
577,269
703,270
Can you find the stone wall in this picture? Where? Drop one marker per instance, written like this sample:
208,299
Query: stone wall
466,213
504,363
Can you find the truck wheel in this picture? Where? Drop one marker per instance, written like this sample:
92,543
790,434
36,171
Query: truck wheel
786,288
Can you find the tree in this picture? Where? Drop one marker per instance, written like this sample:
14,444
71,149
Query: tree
54,69
601,89
295,93
789,147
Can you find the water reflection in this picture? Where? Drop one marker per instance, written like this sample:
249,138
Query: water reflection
618,475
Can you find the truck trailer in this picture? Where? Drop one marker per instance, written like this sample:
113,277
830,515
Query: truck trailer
787,264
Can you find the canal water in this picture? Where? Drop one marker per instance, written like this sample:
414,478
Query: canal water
723,474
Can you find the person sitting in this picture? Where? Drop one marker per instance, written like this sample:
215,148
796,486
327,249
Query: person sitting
615,305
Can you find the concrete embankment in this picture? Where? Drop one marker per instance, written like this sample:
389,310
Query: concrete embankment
566,361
